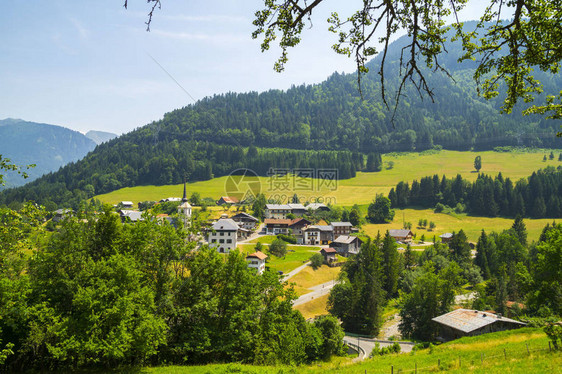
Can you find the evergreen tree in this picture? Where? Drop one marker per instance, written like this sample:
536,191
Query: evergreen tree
354,217
520,229
459,247
379,211
482,254
391,265
408,257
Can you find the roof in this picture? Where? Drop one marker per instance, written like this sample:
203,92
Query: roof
258,255
467,320
184,205
170,199
274,221
328,250
229,200
296,206
277,207
342,224
319,228
315,206
301,221
402,233
446,235
225,224
245,215
126,202
345,239
133,215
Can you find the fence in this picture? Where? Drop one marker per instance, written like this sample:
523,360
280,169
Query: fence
459,362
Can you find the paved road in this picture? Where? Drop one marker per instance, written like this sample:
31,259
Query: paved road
317,291
366,345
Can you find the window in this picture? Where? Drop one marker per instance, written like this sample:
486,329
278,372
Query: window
214,241
221,233
221,241
229,240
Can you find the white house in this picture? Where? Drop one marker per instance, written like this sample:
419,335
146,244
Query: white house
277,211
257,261
223,235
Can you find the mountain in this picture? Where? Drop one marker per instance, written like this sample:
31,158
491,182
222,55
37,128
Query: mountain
100,136
288,128
47,146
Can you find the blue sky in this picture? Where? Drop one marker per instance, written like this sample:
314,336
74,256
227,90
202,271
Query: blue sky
87,64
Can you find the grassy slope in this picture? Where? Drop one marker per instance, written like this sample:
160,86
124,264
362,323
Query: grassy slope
362,188
490,347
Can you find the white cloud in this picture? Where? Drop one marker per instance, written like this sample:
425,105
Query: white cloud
82,31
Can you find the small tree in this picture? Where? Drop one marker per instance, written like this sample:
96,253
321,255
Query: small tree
195,199
424,223
551,155
544,158
316,260
478,163
431,225
560,157
259,247
379,211
420,222
278,248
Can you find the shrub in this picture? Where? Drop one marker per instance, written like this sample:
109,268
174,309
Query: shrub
287,238
316,260
439,208
278,248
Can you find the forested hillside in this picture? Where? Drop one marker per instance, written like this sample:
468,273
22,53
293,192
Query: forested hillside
221,133
47,146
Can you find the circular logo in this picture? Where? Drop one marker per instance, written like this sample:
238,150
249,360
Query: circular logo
242,185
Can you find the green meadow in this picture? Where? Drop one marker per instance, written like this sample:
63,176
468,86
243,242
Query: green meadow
363,188
517,351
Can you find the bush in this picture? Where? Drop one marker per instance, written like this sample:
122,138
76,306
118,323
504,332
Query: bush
377,351
287,238
439,208
316,260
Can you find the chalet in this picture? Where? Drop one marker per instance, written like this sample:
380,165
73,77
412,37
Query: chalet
341,228
446,238
277,226
257,261
223,235
281,211
243,233
318,234
297,227
277,211
347,245
245,220
127,204
317,207
61,214
226,200
165,218
329,255
297,209
402,235
466,322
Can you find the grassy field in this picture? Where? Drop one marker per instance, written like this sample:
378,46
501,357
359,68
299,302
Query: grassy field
313,308
480,354
471,225
363,188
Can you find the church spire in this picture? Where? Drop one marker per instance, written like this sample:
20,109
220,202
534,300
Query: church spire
184,199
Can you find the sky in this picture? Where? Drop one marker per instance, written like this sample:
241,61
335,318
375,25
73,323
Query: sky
91,65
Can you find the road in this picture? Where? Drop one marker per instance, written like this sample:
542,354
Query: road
317,291
294,272
366,345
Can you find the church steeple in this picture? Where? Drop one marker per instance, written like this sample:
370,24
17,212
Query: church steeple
184,199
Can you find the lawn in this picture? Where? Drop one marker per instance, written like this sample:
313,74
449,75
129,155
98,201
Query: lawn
503,352
471,225
363,188
308,277
296,256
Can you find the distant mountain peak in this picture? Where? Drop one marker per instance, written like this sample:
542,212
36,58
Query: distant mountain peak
100,136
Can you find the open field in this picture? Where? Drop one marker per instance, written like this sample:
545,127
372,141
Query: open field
363,188
471,225
480,354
